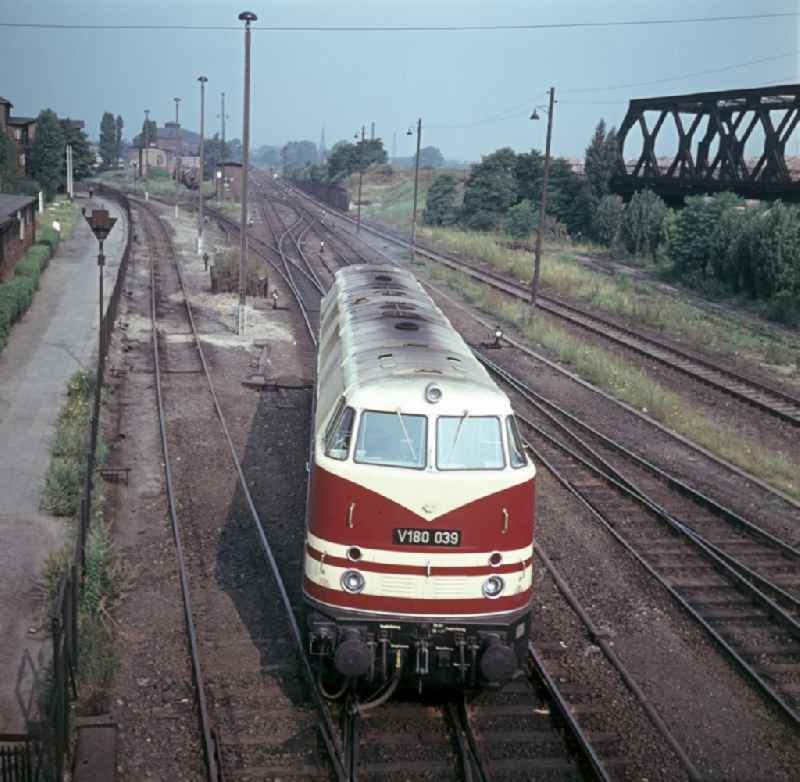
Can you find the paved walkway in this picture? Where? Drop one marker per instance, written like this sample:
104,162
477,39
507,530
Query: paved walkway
57,336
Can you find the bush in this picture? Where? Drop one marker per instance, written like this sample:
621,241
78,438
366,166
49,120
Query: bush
785,309
521,219
643,223
47,235
607,220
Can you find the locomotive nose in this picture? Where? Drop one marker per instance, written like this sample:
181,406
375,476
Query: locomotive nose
352,656
498,661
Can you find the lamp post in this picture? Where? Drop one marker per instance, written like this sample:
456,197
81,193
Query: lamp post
177,146
360,176
416,190
202,80
537,258
101,224
145,167
246,17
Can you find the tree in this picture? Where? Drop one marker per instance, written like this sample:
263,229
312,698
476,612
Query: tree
148,134
440,205
214,153
369,152
234,150
8,162
430,157
601,160
47,153
82,156
267,156
607,220
521,219
490,190
341,161
297,154
108,139
118,125
643,224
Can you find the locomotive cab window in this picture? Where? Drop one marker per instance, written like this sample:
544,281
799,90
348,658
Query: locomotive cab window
337,446
392,439
516,452
469,443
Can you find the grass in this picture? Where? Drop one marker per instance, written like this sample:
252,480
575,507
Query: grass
66,470
126,181
628,383
102,575
60,210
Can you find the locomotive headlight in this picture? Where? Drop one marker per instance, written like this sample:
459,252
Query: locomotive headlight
433,393
493,586
352,581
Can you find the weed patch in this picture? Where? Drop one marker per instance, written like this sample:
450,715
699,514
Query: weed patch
626,382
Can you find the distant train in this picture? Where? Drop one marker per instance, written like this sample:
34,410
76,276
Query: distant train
419,528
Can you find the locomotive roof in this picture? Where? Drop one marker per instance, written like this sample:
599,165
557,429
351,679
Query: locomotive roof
393,334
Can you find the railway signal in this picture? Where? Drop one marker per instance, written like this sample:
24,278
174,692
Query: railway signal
202,80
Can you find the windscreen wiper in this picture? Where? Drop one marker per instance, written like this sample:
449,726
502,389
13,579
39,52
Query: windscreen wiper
405,434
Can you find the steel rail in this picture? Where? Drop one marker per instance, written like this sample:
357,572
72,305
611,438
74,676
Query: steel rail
585,748
783,405
328,733
551,410
210,747
788,622
601,640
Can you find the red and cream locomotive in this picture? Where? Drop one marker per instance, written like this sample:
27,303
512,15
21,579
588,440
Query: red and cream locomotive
419,529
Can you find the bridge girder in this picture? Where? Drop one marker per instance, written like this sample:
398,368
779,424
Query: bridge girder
732,116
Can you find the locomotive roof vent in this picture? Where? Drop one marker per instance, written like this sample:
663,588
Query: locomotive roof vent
407,325
383,278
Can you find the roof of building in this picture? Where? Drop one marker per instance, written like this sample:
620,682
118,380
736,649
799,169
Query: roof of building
10,204
171,130
21,120
6,101
234,163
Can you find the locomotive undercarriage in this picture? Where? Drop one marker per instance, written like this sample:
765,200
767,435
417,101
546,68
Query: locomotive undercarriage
445,652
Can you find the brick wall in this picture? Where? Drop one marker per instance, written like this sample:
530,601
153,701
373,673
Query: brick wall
12,248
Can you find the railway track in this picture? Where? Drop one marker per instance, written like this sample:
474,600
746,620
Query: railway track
760,395
740,583
528,728
237,701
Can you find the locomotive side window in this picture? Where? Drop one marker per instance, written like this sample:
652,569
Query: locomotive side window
392,439
337,445
469,443
515,450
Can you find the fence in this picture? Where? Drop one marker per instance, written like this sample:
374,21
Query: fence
29,758
333,195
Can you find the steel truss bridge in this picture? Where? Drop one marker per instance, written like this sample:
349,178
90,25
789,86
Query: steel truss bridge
712,130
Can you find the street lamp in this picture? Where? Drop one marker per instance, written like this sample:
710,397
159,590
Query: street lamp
246,17
537,257
101,224
416,188
145,167
177,147
202,80
360,175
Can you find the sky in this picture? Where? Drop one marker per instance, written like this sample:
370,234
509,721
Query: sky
474,90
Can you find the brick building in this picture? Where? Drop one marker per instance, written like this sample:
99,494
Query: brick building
228,180
17,230
21,130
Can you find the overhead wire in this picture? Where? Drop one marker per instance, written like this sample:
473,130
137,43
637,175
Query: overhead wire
408,28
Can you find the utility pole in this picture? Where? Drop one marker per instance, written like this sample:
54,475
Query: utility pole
416,190
70,189
177,145
360,177
223,116
537,261
202,80
145,167
246,17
